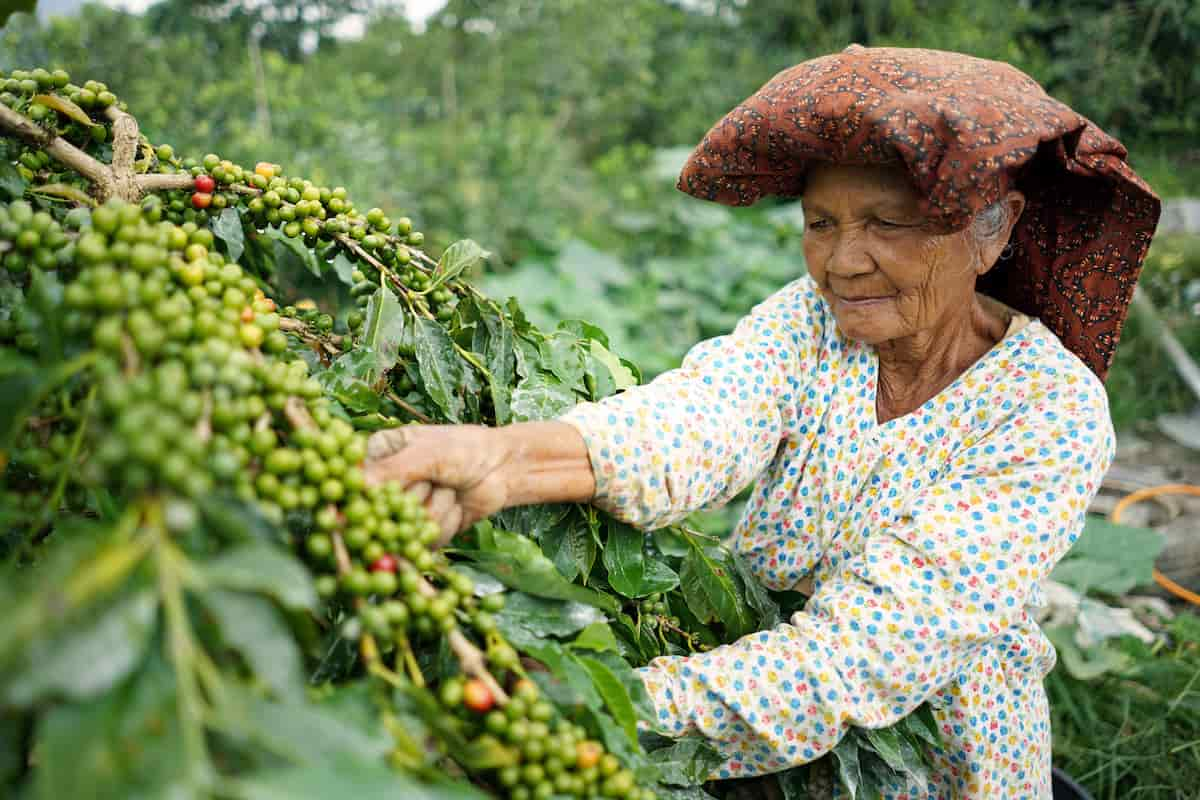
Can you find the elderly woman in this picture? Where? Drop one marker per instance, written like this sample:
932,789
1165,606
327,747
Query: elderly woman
922,415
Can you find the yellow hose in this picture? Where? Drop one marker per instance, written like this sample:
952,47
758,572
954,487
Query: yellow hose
1146,494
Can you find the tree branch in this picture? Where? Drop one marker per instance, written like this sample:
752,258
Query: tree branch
162,183
62,150
470,657
125,140
408,407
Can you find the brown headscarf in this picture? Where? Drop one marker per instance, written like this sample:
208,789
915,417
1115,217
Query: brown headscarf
967,130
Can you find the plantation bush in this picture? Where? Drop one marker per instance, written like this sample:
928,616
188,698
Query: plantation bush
202,595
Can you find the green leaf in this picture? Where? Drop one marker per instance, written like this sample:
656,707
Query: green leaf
536,575
534,521
484,584
254,627
383,331
628,571
886,742
562,355
349,379
1086,665
235,520
228,229
923,725
1110,558
12,185
622,376
457,259
599,637
441,368
757,596
849,769
563,665
64,106
687,762
711,594
343,267
260,567
614,693
623,558
541,396
301,731
20,383
643,708
41,602
581,329
571,546
46,300
345,777
500,358
291,255
543,617
629,753
125,743
12,757
671,542
88,657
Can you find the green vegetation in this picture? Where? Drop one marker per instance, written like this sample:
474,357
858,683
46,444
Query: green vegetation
190,544
197,602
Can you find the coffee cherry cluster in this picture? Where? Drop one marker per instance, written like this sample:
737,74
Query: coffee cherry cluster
545,754
389,563
36,238
185,385
21,91
158,286
311,316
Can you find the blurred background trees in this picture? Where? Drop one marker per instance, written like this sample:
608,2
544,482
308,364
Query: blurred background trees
550,130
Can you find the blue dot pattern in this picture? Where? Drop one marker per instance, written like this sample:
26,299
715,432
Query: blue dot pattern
926,538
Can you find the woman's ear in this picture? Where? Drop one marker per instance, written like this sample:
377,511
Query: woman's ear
991,248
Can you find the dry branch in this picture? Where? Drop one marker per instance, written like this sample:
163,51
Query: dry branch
470,657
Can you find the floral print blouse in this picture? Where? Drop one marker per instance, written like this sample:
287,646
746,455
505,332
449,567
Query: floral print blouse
925,538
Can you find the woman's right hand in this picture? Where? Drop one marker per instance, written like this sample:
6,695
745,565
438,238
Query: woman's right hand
464,473
457,471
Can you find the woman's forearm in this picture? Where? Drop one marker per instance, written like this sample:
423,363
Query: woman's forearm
547,462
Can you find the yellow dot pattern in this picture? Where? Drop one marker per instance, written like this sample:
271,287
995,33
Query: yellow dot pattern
926,538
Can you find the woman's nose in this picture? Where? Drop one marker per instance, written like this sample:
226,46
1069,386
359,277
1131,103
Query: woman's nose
848,256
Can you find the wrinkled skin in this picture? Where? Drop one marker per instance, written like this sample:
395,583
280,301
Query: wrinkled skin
897,285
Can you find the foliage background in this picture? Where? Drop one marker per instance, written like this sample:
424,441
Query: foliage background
550,131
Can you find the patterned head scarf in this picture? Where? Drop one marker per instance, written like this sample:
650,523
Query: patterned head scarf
967,130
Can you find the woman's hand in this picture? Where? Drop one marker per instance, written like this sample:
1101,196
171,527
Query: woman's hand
464,473
455,470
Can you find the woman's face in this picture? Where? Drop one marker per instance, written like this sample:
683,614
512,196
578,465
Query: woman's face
883,272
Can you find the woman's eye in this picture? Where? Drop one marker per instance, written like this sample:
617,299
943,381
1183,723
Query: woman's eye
819,225
887,223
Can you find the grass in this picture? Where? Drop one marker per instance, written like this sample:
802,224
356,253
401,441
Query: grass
1135,736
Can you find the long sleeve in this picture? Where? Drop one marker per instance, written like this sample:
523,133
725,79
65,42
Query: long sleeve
948,575
697,435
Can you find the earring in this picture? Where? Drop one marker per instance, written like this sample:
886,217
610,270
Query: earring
1007,252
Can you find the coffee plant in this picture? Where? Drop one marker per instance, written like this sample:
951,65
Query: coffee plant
202,595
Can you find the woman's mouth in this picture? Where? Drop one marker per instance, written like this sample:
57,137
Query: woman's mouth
862,302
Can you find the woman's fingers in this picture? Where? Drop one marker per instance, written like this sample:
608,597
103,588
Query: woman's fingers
421,490
452,525
406,465
386,443
441,502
